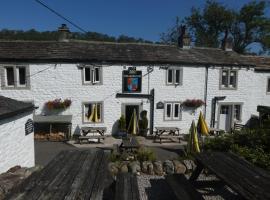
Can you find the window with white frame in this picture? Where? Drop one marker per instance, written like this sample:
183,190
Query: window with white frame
92,75
268,85
228,79
172,111
174,76
15,77
92,112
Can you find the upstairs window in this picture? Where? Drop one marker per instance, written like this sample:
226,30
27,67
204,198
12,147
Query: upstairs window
15,77
174,76
172,111
228,79
268,85
92,112
91,75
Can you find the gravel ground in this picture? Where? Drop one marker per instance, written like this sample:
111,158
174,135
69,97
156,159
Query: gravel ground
156,188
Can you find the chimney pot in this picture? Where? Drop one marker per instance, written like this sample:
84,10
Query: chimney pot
64,33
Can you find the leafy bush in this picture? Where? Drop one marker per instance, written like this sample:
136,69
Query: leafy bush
122,123
253,145
145,154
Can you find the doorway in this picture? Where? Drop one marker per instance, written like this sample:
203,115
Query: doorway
129,109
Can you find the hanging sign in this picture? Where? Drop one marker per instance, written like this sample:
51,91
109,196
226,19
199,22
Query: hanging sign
29,127
160,105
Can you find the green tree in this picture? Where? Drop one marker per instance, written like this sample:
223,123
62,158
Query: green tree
212,25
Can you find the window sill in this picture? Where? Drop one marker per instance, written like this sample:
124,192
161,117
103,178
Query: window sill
227,88
15,88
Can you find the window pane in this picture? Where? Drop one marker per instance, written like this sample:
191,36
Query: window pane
170,76
237,112
93,112
225,78
87,111
233,79
96,74
87,75
10,76
168,110
224,110
99,112
268,88
177,76
22,75
176,110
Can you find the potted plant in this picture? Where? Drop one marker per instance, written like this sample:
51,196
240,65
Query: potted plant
143,123
58,104
122,126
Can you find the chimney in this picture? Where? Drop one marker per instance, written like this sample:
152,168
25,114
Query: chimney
64,33
183,39
227,43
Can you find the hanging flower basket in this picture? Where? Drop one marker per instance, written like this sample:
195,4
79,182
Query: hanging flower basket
193,103
58,104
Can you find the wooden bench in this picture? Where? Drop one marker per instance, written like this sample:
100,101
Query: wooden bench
74,174
167,133
238,127
85,131
182,188
249,181
126,187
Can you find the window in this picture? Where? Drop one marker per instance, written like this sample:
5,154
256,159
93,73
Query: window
228,79
21,76
15,77
237,112
92,112
172,111
174,76
132,81
91,75
10,79
268,85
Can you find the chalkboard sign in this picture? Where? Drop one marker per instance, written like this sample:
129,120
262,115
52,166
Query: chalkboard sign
29,127
160,105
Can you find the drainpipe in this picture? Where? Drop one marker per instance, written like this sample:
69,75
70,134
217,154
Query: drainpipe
205,89
152,103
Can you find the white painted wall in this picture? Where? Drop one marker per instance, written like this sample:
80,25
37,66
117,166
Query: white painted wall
15,147
65,81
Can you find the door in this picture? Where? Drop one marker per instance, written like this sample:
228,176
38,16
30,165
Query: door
225,117
129,111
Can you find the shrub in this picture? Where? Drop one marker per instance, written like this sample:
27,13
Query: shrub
122,123
145,154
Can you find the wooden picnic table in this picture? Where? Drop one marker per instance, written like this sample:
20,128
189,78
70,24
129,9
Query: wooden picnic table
76,174
247,180
167,133
85,131
129,144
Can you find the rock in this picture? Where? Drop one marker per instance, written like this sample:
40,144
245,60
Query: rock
168,167
158,168
150,169
14,169
124,168
147,167
134,167
179,168
113,168
190,165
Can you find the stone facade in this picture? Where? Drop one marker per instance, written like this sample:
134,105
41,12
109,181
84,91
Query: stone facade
16,148
51,81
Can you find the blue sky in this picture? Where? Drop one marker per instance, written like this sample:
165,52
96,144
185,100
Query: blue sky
137,18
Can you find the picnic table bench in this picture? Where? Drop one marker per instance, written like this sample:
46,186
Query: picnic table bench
167,133
85,131
247,180
75,174
126,187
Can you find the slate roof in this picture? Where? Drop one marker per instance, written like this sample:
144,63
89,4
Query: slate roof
11,107
85,51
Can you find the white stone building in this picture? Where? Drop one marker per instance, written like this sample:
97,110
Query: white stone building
117,78
16,143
